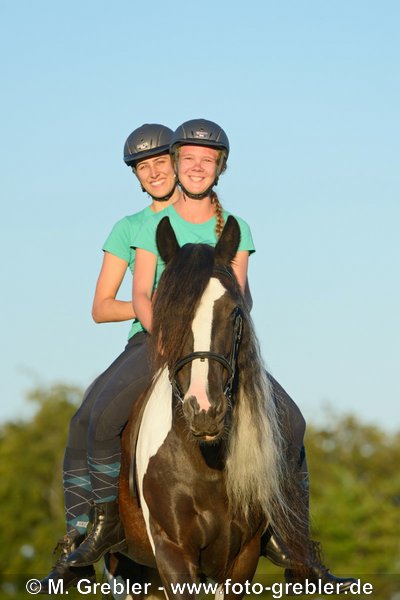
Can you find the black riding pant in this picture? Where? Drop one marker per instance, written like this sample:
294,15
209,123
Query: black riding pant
77,482
109,415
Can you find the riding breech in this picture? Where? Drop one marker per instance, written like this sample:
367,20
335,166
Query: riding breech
77,486
293,429
109,415
294,425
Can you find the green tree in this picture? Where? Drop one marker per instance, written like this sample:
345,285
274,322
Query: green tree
31,455
355,495
355,499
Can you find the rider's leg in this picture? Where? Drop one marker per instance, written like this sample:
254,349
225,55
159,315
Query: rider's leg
272,545
108,418
76,479
78,496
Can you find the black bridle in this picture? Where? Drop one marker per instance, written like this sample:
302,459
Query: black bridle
229,364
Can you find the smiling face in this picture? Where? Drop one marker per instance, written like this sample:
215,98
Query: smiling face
156,175
197,167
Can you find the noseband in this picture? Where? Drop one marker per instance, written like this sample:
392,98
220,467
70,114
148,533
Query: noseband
229,364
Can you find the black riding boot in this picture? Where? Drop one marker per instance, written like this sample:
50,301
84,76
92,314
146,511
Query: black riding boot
275,550
106,534
63,576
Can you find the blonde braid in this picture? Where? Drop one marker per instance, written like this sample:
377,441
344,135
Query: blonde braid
218,214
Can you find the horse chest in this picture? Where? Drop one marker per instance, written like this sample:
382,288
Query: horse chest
177,475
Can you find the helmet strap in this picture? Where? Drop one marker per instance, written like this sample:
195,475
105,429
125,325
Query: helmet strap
198,196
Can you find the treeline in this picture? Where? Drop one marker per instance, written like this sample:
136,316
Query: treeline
355,495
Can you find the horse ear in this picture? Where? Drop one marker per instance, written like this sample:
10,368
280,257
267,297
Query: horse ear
228,243
167,243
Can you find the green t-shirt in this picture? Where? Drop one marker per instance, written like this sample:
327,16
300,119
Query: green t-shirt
120,240
186,232
120,243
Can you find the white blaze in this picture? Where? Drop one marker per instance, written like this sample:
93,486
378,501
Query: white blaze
201,327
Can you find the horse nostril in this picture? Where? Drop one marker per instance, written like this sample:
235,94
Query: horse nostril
194,405
191,407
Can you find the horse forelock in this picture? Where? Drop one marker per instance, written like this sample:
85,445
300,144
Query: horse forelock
180,290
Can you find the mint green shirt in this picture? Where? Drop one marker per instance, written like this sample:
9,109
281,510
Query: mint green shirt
186,232
120,243
120,240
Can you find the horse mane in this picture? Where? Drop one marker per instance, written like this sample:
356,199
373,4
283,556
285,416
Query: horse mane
179,292
261,472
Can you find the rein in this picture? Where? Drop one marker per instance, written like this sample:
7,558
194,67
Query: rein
229,364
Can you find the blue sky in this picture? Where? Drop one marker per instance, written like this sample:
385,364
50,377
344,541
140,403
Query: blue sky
309,95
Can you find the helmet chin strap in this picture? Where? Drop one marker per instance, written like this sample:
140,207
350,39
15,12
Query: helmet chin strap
196,196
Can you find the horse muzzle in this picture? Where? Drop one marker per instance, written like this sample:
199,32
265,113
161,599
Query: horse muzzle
204,425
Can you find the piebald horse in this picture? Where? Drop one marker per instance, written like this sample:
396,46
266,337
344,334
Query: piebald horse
203,472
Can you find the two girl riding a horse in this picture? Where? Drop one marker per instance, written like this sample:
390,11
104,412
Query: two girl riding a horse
179,171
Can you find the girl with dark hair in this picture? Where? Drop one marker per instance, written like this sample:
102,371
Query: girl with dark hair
146,151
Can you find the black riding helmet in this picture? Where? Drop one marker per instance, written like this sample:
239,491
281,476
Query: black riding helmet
147,141
201,132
